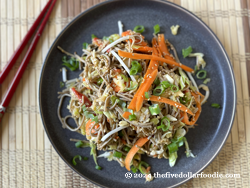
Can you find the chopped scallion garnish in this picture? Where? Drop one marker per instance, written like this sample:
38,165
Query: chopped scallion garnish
215,105
165,124
126,148
174,88
85,45
141,165
198,75
99,81
117,154
172,147
132,117
187,51
79,144
154,109
206,80
147,95
139,29
61,84
97,167
158,90
93,36
136,68
76,157
157,28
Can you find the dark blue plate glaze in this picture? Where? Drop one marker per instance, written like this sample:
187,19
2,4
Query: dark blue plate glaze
205,140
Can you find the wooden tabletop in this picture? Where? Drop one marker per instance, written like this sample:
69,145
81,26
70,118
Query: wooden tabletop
26,156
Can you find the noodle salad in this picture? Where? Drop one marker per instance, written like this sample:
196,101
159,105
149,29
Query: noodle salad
133,98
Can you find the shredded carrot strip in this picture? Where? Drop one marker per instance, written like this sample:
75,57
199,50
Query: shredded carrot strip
140,142
126,115
89,124
170,102
145,87
145,49
196,116
163,47
153,57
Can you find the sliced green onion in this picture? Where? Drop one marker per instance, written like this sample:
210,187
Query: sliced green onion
158,90
166,84
99,81
72,63
139,29
157,28
133,169
147,95
85,158
157,81
136,67
117,154
198,75
93,36
141,164
97,167
164,125
122,104
79,144
61,84
125,78
132,117
206,80
113,98
154,109
195,68
126,148
76,157
174,88
133,71
187,51
183,100
176,140
172,147
85,45
215,105
133,85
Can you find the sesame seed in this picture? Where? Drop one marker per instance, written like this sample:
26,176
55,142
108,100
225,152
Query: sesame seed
186,110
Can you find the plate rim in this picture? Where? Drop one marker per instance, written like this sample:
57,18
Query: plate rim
159,1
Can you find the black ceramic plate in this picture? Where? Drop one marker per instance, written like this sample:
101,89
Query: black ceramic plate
205,140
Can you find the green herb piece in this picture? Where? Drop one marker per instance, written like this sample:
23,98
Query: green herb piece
215,105
147,95
157,28
99,81
126,148
133,169
93,36
132,117
61,84
174,88
76,157
198,75
173,147
158,90
85,45
187,51
72,63
117,154
139,29
141,165
97,167
154,109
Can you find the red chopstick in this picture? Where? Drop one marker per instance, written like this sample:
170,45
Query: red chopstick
27,57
